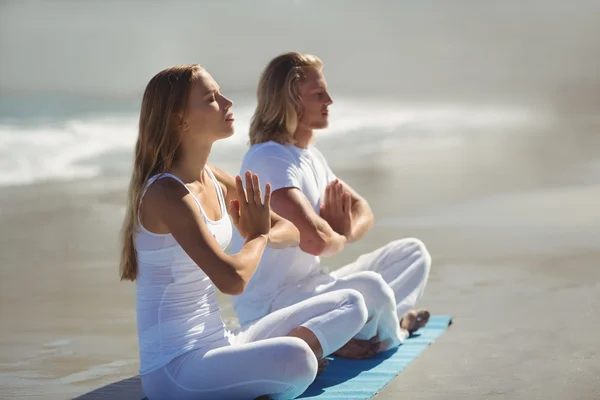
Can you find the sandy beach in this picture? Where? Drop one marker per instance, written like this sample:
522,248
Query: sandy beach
514,264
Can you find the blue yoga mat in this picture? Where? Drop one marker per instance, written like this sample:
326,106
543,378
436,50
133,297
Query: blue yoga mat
342,380
361,379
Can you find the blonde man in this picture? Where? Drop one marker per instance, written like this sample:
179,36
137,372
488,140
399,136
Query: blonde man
293,102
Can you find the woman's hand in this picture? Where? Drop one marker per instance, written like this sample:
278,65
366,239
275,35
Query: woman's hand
250,214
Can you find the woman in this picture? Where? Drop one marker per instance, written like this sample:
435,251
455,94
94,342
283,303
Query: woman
174,236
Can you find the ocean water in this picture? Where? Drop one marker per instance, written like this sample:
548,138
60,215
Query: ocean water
420,75
94,144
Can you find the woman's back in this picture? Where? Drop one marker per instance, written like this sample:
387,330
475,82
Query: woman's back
177,309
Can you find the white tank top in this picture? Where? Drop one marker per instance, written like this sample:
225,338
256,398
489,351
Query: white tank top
177,309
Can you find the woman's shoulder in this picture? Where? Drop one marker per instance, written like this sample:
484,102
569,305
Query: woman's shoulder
163,189
226,181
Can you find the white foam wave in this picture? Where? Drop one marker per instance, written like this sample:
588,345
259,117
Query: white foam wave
63,151
30,154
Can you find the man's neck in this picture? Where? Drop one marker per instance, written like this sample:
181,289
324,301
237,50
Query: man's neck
303,137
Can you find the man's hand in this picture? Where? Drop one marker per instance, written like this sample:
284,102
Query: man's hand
337,208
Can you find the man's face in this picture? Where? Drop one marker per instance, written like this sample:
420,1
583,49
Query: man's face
315,100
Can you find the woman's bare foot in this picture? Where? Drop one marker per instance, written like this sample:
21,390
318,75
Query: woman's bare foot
357,348
323,363
414,320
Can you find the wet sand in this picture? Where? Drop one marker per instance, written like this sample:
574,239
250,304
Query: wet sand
514,230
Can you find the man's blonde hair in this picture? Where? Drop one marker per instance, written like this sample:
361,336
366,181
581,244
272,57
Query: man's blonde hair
279,108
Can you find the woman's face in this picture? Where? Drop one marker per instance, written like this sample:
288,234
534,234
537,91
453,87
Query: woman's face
208,111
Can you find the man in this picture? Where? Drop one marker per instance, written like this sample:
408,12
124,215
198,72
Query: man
293,102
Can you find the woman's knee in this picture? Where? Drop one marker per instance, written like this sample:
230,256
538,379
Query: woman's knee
301,363
356,304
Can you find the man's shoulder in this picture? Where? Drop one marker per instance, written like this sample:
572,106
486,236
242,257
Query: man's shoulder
269,149
315,152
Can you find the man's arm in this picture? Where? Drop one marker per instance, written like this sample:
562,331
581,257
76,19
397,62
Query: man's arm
283,233
362,216
316,236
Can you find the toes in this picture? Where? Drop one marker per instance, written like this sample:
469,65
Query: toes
408,320
422,318
423,315
323,363
357,349
414,320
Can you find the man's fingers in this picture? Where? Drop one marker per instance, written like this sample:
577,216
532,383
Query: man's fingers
331,197
347,203
338,196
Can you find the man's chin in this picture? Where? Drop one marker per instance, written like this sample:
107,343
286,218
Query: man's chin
321,125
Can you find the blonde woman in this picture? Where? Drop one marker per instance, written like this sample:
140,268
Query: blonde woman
174,238
293,103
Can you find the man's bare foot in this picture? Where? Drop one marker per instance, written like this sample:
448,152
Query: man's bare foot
323,363
414,320
357,348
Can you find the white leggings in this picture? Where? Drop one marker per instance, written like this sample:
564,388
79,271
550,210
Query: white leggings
391,279
262,359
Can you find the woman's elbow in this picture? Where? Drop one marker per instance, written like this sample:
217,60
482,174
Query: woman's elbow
230,283
234,287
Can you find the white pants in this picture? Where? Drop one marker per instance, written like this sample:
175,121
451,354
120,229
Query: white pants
391,279
262,359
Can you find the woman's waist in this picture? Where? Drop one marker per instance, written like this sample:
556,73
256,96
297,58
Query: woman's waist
170,330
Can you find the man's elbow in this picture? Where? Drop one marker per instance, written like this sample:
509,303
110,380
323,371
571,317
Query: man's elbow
314,245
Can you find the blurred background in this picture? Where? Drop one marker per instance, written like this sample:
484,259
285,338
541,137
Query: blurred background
473,125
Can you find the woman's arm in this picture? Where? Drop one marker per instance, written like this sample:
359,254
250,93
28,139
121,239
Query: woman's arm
283,233
174,210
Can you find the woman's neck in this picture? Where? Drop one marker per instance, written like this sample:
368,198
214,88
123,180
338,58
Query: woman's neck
191,163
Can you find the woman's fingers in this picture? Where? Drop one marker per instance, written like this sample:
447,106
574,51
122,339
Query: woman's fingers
234,211
241,194
249,187
256,188
267,201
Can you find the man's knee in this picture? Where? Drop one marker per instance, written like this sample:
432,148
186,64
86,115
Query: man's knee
414,248
372,286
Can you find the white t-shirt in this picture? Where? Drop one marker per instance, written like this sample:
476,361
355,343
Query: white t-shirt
282,166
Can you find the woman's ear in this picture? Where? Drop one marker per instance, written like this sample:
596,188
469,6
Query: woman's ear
181,123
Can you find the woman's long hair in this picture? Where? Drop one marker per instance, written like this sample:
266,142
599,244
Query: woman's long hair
163,106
